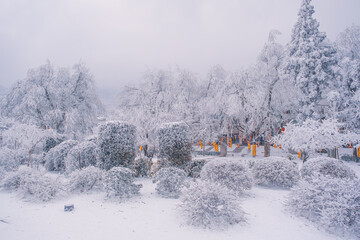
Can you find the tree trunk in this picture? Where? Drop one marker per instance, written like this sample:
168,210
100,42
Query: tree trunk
146,150
267,149
223,149
357,159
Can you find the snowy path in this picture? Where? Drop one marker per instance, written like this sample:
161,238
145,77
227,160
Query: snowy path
146,217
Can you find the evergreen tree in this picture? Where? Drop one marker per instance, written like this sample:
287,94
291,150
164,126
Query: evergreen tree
348,46
311,64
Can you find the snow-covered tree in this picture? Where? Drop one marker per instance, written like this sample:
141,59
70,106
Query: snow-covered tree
64,100
348,45
175,143
275,171
119,183
169,181
232,174
311,64
116,144
210,205
276,96
312,135
163,96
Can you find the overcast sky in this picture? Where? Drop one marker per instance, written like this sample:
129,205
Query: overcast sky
120,39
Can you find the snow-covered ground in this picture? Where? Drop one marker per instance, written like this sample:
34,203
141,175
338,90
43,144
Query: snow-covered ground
150,216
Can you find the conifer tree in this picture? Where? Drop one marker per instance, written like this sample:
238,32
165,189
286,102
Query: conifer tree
311,64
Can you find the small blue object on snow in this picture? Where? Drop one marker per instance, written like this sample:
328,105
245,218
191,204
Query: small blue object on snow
69,208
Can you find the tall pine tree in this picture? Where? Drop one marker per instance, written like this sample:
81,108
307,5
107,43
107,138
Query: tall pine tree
311,64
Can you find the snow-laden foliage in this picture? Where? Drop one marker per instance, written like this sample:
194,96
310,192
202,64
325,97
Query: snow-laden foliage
275,171
23,141
61,99
163,96
233,174
193,168
55,158
86,179
330,202
2,173
175,143
348,45
142,167
31,184
51,142
328,167
312,135
311,64
80,156
119,183
9,159
210,205
116,143
169,181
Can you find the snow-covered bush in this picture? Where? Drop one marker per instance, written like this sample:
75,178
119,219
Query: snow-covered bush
2,173
116,143
275,171
174,143
55,158
82,155
26,140
210,205
31,184
86,179
9,159
169,181
232,174
193,168
330,202
327,167
119,183
142,167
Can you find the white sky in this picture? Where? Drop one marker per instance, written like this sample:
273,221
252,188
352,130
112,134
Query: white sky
120,39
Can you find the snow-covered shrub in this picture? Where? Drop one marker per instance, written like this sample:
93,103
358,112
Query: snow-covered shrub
31,184
326,166
169,181
142,167
86,179
116,143
119,182
9,159
2,173
275,171
331,202
55,158
174,143
193,168
232,174
82,155
210,205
